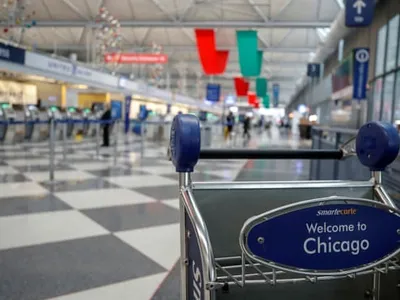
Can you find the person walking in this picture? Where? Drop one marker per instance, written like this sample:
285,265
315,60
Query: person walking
230,121
106,127
246,128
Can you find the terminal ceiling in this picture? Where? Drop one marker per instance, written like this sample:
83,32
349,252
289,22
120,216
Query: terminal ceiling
289,32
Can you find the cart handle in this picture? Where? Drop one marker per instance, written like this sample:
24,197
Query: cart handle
377,146
270,154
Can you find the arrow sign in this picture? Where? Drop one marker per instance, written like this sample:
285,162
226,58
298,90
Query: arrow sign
359,13
359,5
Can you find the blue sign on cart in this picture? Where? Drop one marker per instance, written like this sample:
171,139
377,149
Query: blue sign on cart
194,271
329,238
360,73
359,13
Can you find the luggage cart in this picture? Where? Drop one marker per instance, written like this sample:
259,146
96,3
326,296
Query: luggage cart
288,240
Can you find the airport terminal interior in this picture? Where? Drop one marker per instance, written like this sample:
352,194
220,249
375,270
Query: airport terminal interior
144,145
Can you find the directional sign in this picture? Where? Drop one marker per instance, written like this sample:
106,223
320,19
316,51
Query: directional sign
360,73
213,92
314,70
359,13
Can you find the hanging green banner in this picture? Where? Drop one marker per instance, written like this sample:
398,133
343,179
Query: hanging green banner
250,58
266,101
261,87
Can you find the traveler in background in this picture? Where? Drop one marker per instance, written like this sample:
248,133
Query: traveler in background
246,127
106,127
230,122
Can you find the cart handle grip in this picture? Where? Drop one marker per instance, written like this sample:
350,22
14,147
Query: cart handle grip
377,145
270,154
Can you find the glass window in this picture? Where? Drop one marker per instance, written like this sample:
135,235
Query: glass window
397,99
393,35
388,90
377,99
380,51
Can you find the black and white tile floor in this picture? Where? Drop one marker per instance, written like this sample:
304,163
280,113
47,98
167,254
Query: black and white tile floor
100,231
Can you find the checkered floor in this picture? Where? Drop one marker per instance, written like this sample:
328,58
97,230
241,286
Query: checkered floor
99,231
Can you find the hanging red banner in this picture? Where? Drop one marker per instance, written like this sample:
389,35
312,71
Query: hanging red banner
136,58
241,86
213,61
251,98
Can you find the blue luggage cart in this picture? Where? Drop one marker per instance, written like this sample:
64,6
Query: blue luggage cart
288,240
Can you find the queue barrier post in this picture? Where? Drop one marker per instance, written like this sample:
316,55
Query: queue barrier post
64,138
98,128
115,149
52,150
142,139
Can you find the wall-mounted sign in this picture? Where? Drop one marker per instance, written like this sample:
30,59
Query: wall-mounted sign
116,109
340,236
360,73
12,54
136,58
359,13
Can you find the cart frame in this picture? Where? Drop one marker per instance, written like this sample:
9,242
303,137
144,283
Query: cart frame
204,271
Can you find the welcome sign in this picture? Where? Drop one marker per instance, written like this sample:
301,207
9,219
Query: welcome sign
324,238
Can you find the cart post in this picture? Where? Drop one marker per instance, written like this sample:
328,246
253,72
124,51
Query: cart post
184,181
196,258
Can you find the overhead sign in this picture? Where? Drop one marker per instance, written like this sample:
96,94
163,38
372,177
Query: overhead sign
360,72
136,58
359,13
275,93
12,54
340,236
213,92
314,70
46,63
94,76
